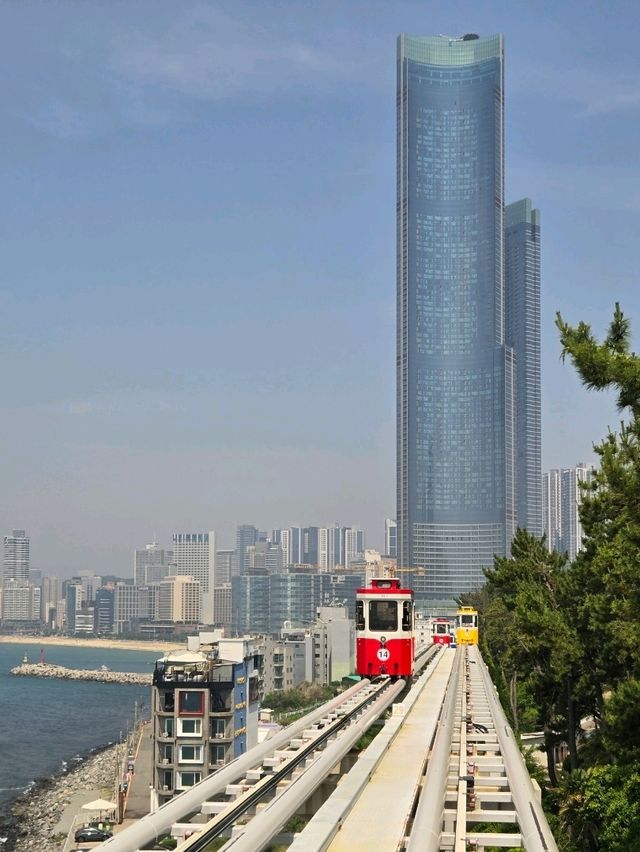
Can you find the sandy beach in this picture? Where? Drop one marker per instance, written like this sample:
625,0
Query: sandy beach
71,641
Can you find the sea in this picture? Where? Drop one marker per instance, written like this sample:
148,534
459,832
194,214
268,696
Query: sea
47,725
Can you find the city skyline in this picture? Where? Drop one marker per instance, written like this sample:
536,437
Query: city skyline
176,360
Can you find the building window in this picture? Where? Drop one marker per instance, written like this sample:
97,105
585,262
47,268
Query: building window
191,703
190,754
187,779
217,755
189,727
218,728
166,727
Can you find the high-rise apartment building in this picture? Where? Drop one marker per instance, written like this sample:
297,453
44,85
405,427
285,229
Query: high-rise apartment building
194,555
151,564
457,372
390,537
522,323
16,556
552,509
562,495
246,536
224,566
50,598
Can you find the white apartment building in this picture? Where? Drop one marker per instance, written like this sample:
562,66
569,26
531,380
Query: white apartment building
20,601
131,604
222,610
179,599
194,555
16,556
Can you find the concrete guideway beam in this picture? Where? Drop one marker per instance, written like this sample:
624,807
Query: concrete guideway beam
152,826
336,822
266,824
250,796
427,823
534,828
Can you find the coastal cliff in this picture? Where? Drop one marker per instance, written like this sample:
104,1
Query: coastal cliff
47,670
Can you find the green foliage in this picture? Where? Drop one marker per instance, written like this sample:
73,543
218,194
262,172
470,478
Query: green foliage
600,808
621,736
295,824
304,695
367,738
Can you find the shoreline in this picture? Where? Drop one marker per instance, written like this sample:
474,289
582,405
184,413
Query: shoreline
22,819
73,642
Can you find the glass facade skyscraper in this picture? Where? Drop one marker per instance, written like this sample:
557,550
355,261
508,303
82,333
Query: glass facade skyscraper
522,321
456,369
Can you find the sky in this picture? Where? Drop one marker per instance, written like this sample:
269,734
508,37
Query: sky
197,275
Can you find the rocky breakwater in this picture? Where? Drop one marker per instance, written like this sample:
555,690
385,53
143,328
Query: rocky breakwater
47,670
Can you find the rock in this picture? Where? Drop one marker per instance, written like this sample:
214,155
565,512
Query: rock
34,815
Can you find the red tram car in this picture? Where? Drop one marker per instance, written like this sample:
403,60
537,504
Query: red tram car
441,631
385,643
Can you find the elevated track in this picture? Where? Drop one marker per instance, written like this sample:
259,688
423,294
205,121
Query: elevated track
444,773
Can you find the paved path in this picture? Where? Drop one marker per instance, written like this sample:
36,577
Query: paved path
139,799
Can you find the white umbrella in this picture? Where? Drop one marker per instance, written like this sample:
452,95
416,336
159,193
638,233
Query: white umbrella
99,805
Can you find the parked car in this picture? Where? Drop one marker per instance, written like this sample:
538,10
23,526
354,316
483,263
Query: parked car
90,835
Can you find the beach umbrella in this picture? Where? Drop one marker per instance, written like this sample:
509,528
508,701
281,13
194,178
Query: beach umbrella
99,805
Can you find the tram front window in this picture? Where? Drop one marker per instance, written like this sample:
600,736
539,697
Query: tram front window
383,615
468,620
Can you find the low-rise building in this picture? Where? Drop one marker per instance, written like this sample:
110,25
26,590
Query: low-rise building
205,710
334,642
288,661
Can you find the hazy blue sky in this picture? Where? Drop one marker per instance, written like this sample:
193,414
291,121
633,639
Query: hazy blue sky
198,260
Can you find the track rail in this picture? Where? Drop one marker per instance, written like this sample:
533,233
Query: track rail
274,777
483,779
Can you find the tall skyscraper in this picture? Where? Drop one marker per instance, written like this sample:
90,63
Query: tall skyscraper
522,319
16,556
456,367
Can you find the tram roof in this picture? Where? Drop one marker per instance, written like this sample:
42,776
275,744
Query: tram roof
385,586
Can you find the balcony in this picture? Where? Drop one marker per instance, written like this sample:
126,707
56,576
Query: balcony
170,675
164,737
220,736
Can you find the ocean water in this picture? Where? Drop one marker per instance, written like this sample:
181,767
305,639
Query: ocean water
46,724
